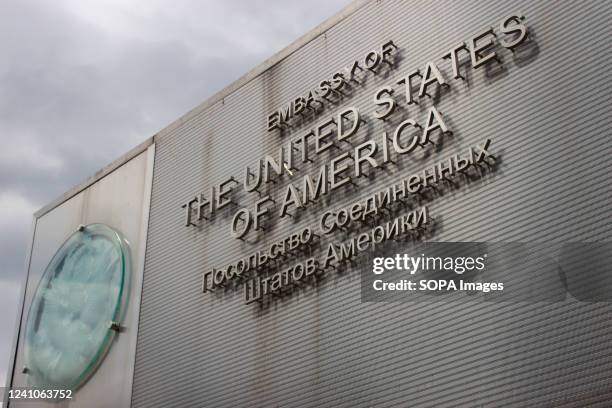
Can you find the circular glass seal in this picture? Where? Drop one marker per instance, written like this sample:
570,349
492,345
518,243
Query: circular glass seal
77,308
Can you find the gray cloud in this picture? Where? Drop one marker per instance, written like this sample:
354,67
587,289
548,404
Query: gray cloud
9,293
82,82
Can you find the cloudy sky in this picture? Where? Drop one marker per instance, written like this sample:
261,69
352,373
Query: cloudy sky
81,82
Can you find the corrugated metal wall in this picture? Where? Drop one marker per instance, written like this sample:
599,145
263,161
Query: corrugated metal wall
549,119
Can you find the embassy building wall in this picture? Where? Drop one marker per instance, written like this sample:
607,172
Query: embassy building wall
393,127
